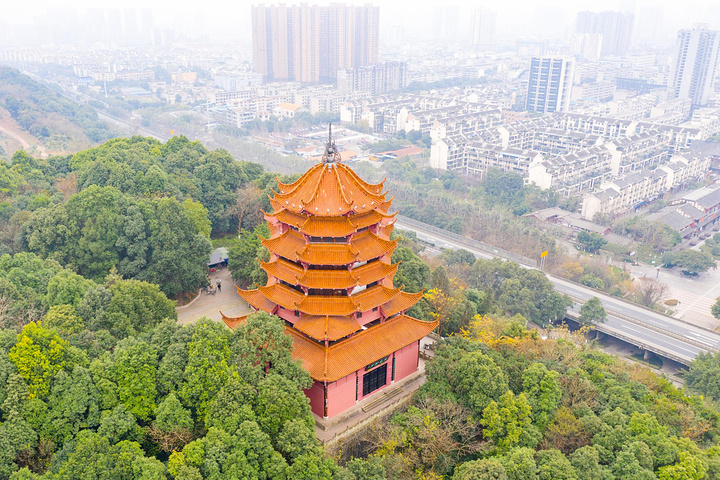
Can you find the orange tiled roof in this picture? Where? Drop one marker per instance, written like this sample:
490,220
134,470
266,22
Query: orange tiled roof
329,279
233,322
339,226
329,189
363,246
330,254
283,295
322,305
373,272
265,298
371,246
401,303
256,299
287,245
322,326
374,297
345,357
286,216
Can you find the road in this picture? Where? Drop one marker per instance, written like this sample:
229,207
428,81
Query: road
661,334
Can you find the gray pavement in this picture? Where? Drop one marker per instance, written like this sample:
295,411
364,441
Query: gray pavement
209,306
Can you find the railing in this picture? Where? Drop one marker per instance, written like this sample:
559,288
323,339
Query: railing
468,242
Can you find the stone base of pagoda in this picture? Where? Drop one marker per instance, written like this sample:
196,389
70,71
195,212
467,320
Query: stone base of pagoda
328,401
353,420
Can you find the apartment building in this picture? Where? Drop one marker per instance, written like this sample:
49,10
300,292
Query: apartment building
635,189
310,44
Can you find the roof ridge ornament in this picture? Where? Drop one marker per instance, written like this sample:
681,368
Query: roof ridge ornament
331,154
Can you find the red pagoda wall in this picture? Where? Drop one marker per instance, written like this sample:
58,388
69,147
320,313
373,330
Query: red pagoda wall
341,395
317,398
406,360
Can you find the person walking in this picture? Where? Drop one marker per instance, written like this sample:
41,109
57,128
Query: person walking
218,283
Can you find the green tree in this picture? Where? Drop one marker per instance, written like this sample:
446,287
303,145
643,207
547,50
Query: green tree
413,273
703,375
208,368
591,312
508,422
199,216
247,454
39,354
278,401
586,461
312,467
370,468
67,288
691,261
626,465
136,307
264,348
173,425
94,457
715,309
520,464
243,255
170,415
73,404
232,406
462,377
486,469
689,467
591,241
542,387
297,438
504,189
119,424
178,252
553,465
64,319
135,370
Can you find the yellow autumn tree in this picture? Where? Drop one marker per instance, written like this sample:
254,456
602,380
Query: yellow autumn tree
494,330
39,354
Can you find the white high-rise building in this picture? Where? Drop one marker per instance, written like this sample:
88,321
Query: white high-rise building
695,64
587,45
549,85
483,26
615,28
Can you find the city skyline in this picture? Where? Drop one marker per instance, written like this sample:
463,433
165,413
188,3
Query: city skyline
516,18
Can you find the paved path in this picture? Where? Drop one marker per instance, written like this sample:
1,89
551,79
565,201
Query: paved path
696,294
210,306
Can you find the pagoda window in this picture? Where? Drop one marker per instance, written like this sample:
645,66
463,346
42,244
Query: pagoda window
328,292
290,285
374,380
328,239
327,267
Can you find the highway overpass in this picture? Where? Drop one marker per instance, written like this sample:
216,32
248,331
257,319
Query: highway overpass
661,334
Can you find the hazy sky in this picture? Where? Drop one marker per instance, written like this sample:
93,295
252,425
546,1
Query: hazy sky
513,15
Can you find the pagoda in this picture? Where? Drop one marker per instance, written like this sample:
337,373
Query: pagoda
330,278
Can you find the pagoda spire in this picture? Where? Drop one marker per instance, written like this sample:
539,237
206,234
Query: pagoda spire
331,154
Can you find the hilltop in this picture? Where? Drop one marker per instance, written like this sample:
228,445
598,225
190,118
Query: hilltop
39,120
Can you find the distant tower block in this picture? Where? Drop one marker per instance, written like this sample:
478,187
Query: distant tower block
330,278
